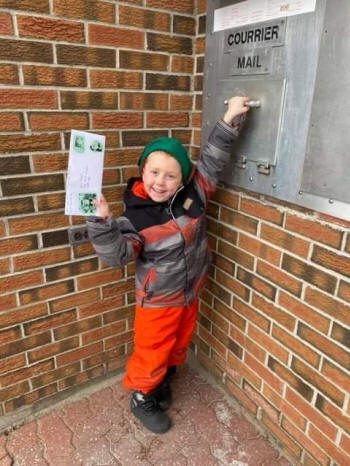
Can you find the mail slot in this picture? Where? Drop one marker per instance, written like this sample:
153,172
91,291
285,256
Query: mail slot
293,58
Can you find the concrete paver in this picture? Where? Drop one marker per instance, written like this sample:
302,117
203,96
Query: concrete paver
98,430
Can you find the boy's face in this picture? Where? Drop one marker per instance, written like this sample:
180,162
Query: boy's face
161,176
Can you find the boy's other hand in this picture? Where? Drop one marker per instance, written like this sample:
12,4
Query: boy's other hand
102,207
236,106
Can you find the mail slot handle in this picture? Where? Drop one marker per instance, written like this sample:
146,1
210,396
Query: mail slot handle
250,103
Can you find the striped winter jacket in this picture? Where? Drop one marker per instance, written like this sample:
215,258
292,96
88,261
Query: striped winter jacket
167,240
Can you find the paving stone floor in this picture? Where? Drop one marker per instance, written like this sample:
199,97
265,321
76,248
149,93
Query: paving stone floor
97,429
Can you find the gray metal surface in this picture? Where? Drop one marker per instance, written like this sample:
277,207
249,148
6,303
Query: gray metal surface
327,163
293,130
262,128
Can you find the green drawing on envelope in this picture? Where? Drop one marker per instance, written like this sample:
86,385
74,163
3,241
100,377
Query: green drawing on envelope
96,146
86,203
79,144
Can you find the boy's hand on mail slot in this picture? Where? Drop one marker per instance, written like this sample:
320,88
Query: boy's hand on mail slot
236,106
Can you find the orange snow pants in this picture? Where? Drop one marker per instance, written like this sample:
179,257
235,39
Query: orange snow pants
162,336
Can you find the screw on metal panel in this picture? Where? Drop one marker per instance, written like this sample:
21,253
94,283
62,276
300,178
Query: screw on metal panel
274,185
300,193
331,201
251,179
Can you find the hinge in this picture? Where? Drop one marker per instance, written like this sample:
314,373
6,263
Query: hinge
241,161
264,167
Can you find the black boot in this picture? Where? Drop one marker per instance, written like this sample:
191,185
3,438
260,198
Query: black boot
163,392
146,409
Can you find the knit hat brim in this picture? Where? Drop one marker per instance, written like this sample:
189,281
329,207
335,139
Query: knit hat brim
173,147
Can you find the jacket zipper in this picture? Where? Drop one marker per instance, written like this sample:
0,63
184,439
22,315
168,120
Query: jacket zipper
173,217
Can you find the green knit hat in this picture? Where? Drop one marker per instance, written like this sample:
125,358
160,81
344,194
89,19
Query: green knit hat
171,146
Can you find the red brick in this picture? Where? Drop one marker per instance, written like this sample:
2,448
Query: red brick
296,346
26,51
115,79
54,76
21,244
12,363
303,312
23,280
51,201
144,101
94,10
40,259
333,413
77,299
182,64
166,119
22,143
262,212
8,74
184,25
54,375
6,28
199,47
25,344
240,221
285,240
327,446
35,223
181,6
309,273
39,6
45,163
7,302
270,345
116,120
215,344
336,375
10,334
56,121
103,332
28,98
345,443
330,306
201,7
26,373
50,29
99,278
256,283
259,249
279,278
79,354
4,266
169,44
344,291
324,345
144,18
332,261
304,440
314,231
14,391
86,56
44,293
115,37
27,313
267,376
11,121
315,379
286,409
53,349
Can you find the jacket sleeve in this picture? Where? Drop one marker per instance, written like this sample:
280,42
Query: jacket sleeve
215,155
115,240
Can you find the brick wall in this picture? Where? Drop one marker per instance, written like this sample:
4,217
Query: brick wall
274,322
122,69
274,317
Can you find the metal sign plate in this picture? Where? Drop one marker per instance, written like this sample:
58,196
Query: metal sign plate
269,33
251,62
